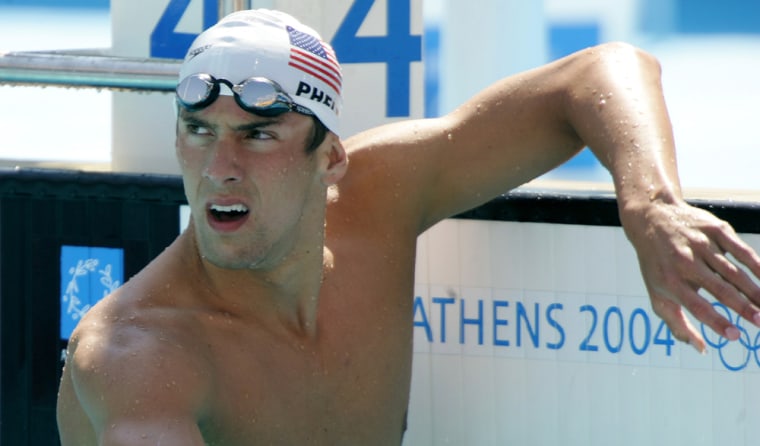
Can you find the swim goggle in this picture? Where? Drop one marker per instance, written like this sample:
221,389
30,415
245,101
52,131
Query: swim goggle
257,95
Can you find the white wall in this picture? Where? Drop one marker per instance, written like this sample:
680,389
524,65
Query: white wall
581,383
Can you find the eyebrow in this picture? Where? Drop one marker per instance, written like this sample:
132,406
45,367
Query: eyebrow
267,122
247,127
192,120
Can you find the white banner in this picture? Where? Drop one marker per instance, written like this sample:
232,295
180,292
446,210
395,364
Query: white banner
543,334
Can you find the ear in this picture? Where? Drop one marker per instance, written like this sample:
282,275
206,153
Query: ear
336,161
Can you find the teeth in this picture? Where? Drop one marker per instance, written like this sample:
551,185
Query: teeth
231,208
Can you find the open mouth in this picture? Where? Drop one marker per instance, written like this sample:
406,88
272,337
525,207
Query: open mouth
227,214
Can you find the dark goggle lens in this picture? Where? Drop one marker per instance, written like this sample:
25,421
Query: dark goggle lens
262,97
195,91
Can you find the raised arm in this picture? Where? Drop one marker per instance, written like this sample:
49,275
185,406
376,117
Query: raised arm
610,99
607,97
681,249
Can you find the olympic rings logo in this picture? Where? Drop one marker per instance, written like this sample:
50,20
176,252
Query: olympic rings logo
737,355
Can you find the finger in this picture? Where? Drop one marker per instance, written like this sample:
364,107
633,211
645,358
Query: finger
730,243
695,338
679,324
730,286
704,312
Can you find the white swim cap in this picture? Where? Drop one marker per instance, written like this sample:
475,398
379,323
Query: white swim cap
274,45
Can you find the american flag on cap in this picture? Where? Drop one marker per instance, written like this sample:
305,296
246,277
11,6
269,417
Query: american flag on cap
314,57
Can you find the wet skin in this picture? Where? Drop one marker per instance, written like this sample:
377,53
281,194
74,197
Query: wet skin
283,314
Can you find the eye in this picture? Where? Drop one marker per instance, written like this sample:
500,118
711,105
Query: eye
192,126
195,129
259,135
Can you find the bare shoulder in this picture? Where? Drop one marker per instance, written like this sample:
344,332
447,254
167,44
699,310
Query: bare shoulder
384,143
395,164
130,359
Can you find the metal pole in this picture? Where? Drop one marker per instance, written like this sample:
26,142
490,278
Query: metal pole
83,70
88,71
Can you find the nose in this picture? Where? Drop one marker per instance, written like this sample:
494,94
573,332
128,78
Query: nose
223,166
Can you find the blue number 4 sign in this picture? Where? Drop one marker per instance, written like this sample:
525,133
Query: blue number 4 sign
167,43
397,49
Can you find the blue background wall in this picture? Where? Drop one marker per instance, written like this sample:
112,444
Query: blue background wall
726,16
701,16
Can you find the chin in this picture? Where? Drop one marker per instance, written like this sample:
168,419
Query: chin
229,253
234,261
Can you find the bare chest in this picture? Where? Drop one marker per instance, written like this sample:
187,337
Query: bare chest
349,386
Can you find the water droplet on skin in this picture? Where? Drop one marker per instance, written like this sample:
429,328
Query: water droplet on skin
652,195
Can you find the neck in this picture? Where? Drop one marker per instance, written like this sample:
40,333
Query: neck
283,297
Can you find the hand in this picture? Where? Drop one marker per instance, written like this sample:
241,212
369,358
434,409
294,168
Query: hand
683,249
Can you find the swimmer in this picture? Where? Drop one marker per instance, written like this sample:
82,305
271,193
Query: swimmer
283,313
